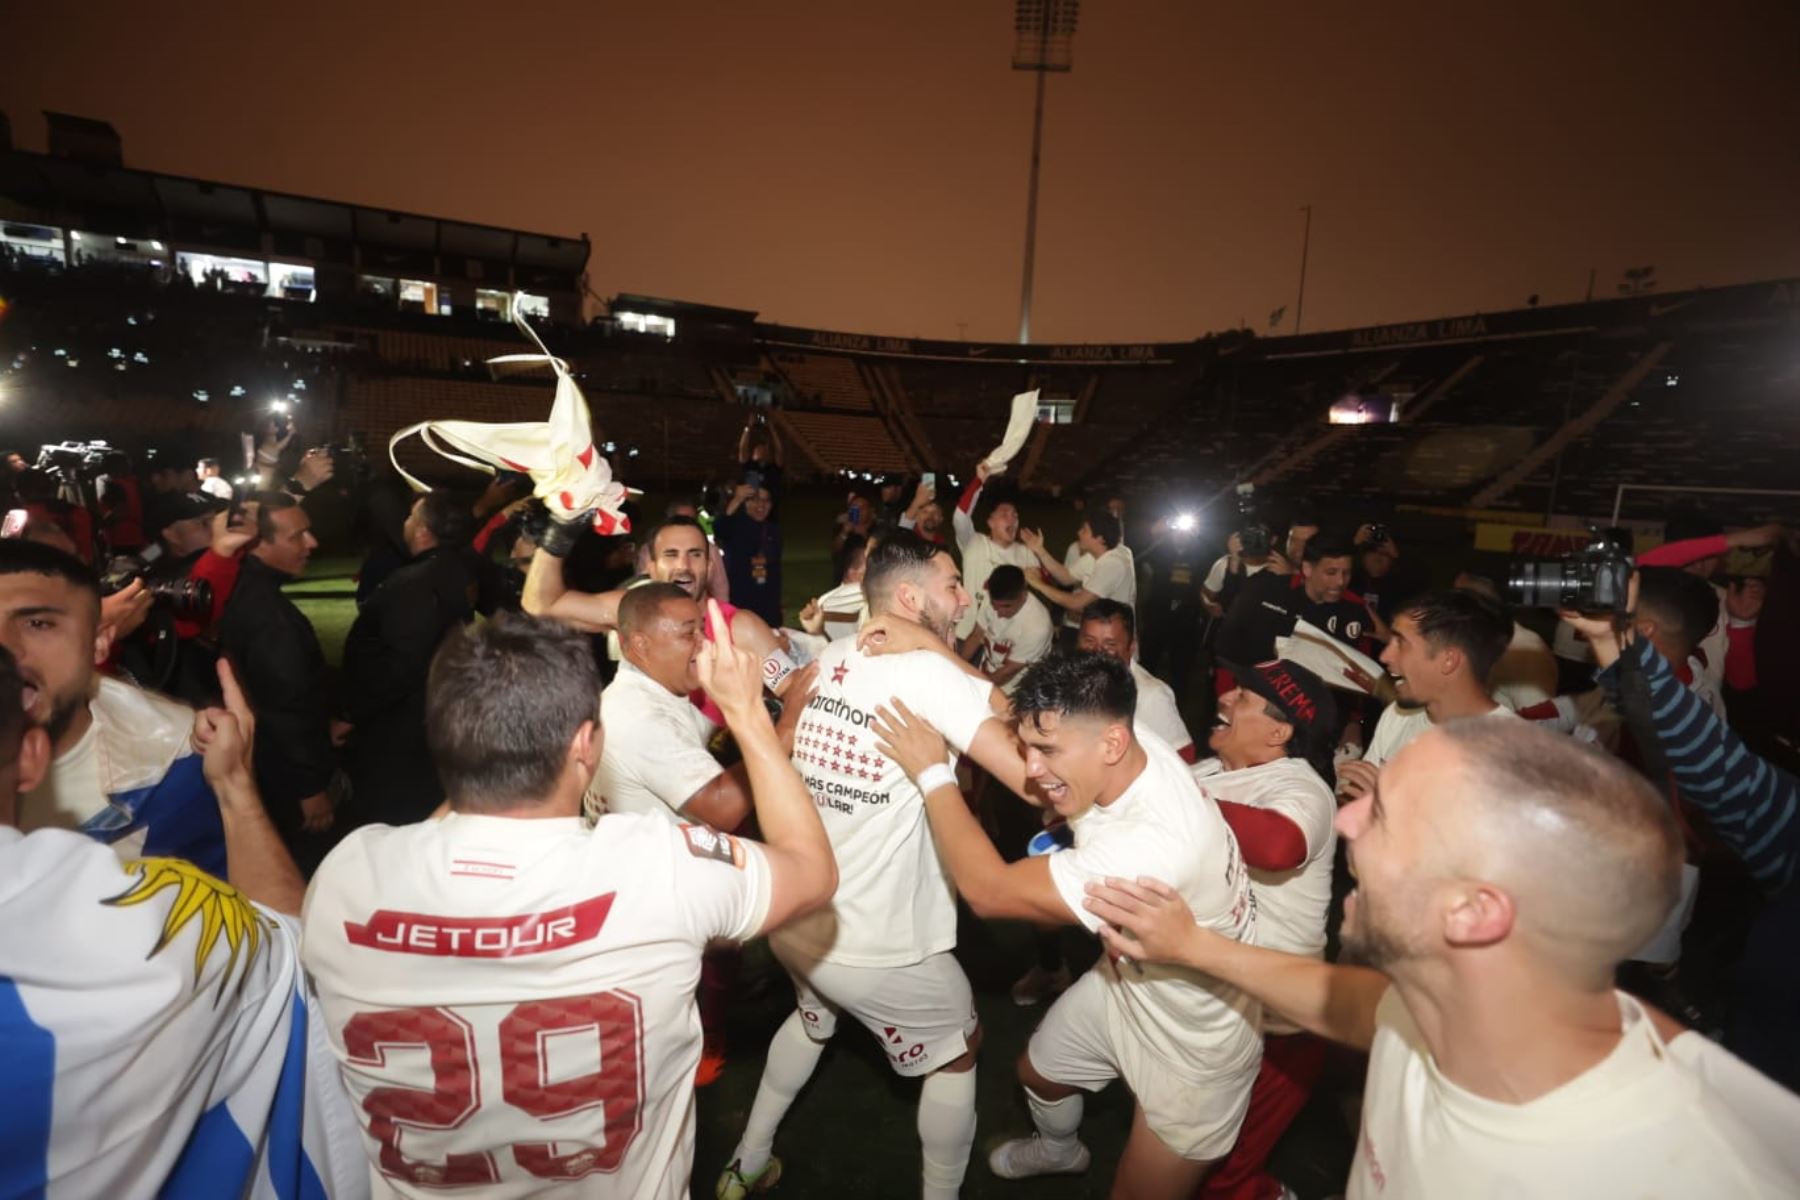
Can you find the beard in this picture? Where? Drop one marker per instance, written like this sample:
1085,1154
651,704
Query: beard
63,710
939,620
1372,941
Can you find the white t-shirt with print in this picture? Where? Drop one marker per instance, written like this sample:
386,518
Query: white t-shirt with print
1215,576
653,754
1025,637
1165,827
1652,1120
1399,725
538,977
894,905
1157,710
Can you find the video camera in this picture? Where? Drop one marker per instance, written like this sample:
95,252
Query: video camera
1593,579
186,599
1254,537
74,460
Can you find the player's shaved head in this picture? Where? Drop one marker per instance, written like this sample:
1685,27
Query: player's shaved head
642,606
1489,831
1589,849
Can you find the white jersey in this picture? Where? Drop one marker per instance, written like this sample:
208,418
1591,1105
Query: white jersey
157,1035
894,906
1291,905
980,555
1399,726
1221,569
1024,637
1165,827
1158,712
1652,1119
512,1000
1114,576
653,753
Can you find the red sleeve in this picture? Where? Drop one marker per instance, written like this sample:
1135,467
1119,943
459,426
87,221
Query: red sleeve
970,495
487,531
1268,840
222,573
1680,554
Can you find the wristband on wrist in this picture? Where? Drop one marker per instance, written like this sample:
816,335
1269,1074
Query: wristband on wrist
561,536
936,776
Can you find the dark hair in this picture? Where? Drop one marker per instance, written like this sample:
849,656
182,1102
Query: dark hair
207,462
1104,526
20,557
12,707
1467,620
997,492
1111,610
1322,547
267,504
642,605
1006,582
502,702
896,558
1076,685
447,517
669,513
673,523
1683,603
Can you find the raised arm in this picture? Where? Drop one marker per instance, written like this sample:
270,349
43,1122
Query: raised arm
1148,922
802,867
962,520
255,858
725,801
1053,567
992,886
546,595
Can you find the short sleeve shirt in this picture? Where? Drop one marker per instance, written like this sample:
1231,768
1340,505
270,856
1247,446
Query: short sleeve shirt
653,754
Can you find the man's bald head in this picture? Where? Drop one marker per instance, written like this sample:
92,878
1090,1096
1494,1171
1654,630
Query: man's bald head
1497,832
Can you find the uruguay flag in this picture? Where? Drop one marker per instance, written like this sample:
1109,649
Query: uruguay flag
157,1036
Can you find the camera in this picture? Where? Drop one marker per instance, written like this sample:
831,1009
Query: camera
1593,579
186,599
1379,535
1254,538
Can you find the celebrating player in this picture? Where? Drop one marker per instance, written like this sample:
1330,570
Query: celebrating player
881,950
510,994
1187,1046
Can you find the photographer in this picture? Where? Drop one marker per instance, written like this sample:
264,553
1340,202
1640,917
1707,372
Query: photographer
1242,559
760,458
1375,579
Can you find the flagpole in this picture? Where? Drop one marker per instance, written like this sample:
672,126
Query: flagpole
1305,245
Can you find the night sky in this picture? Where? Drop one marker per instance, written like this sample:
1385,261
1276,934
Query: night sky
862,166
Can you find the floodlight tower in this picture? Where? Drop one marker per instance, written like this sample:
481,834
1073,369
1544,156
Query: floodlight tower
1044,36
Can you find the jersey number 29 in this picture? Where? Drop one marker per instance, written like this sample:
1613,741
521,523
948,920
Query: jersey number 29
614,1019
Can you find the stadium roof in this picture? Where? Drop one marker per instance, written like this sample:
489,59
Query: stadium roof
120,200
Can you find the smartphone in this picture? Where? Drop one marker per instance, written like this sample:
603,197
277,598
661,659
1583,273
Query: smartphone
14,525
856,514
929,479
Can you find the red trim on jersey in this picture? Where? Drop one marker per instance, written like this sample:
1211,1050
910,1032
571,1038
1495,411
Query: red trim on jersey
1188,754
1268,840
481,937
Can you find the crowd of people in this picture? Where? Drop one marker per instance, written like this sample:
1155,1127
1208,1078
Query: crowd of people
465,914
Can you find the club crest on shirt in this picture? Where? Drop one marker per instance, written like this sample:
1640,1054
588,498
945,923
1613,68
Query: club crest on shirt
703,842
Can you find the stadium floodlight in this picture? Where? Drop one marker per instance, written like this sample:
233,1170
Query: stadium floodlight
1044,36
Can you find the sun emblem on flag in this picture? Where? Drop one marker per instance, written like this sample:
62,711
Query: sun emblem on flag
223,911
838,672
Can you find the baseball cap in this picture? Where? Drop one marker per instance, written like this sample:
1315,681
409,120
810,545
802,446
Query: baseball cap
164,511
1303,700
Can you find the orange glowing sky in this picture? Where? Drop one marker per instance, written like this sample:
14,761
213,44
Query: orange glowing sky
862,166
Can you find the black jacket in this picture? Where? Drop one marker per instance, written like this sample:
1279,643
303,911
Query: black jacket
387,657
276,653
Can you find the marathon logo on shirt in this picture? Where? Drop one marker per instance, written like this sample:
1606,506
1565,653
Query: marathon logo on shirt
481,937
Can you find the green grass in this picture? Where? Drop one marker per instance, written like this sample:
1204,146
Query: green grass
852,1131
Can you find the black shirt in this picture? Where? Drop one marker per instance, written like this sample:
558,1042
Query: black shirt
1267,608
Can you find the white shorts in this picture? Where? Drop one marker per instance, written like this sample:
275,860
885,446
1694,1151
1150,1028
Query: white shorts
923,1014
1078,1044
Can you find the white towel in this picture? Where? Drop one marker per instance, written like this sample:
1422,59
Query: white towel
1018,428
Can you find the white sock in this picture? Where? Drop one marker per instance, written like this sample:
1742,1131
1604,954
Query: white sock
946,1130
792,1057
1057,1121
